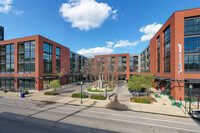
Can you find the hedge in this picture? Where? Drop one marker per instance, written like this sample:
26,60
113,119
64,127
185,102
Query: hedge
51,93
78,95
142,100
98,97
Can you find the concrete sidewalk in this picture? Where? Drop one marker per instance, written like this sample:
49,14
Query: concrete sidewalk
162,106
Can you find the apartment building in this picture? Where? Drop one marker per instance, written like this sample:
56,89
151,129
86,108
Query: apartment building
32,62
173,56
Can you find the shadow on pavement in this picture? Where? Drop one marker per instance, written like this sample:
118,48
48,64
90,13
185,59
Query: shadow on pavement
116,105
14,123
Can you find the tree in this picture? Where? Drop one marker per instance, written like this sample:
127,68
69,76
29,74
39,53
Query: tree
136,83
149,81
61,73
55,84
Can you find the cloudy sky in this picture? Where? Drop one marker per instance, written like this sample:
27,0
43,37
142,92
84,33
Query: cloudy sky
90,27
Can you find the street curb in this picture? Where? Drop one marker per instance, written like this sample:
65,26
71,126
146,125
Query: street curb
119,109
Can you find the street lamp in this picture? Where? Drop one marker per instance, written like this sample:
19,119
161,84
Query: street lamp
190,97
81,92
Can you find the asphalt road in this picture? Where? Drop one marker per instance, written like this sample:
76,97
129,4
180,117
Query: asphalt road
26,116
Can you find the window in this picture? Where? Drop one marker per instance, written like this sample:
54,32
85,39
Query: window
57,59
122,63
192,45
7,58
7,84
26,57
167,49
47,57
158,54
26,84
192,62
72,63
192,26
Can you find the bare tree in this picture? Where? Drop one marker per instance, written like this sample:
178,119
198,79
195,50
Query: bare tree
61,73
111,71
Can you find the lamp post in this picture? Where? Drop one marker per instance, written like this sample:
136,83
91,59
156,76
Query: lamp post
190,97
81,92
185,104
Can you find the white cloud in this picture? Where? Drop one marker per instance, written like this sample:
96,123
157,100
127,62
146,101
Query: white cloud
110,44
95,51
125,43
86,14
18,13
114,15
6,7
149,31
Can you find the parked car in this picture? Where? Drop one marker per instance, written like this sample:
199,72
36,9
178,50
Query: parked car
142,92
196,114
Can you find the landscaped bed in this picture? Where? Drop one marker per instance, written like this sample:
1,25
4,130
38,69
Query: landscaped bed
142,99
109,90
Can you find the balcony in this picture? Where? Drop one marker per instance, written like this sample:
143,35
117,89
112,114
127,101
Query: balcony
20,51
3,61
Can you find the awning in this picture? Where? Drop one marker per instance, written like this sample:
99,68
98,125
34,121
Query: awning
24,77
162,78
192,80
4,77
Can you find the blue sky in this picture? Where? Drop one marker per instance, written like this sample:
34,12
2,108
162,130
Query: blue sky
90,26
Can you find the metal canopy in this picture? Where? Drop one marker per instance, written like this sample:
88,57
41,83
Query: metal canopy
25,77
162,78
192,80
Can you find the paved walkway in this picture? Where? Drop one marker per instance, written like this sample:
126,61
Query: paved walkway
162,106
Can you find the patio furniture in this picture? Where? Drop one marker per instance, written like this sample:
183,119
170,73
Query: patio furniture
179,105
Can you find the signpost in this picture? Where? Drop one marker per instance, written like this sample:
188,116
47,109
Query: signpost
81,92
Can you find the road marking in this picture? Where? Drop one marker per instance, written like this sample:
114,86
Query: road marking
142,123
133,116
136,122
29,107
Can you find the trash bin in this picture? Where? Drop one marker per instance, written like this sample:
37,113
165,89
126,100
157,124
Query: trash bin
22,95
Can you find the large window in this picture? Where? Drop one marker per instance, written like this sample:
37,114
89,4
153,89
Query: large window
47,57
26,57
133,63
72,63
192,45
192,26
57,59
122,63
7,84
26,84
167,49
158,54
192,62
7,58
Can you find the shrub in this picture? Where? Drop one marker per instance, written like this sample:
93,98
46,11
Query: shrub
51,93
55,84
98,97
26,92
78,95
142,100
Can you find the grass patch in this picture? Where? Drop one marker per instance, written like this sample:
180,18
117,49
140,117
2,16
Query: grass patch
51,93
100,90
98,97
78,95
142,100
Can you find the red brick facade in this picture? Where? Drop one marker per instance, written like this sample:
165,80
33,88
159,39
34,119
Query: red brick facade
39,74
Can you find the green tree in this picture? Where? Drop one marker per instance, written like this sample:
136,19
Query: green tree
136,83
149,82
54,84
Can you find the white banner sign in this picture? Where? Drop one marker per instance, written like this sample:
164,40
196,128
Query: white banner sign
180,61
